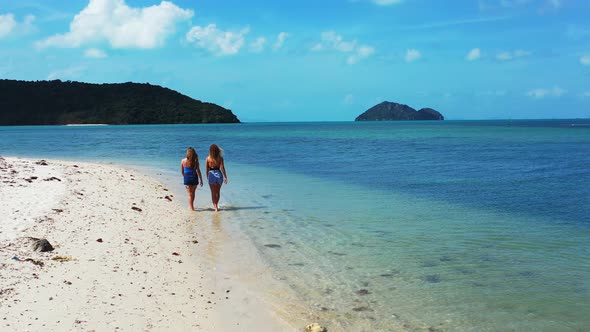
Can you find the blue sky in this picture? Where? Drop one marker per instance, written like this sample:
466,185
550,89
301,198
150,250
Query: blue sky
320,60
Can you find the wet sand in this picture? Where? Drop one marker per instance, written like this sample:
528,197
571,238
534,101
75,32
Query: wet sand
125,256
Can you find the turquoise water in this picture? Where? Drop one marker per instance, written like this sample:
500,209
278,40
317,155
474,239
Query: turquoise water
454,225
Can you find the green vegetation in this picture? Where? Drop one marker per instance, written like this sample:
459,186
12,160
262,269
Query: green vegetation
59,103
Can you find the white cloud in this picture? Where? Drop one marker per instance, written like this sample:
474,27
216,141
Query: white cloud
513,3
120,25
10,26
585,60
7,24
348,99
258,45
512,55
67,74
360,53
542,93
280,40
94,53
217,41
556,4
492,93
474,54
412,55
387,2
586,94
332,41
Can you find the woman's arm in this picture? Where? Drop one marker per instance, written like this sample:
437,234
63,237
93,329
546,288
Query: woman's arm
199,173
207,166
222,167
182,167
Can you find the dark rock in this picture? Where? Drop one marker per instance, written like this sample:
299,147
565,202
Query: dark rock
272,245
362,292
41,162
360,309
388,111
136,208
42,245
433,278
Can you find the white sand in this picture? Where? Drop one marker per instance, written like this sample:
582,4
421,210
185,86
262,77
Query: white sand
131,269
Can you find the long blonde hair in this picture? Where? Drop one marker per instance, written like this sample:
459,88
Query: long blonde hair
192,158
215,154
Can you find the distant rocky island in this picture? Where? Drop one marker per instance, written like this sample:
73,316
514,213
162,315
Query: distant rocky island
389,111
76,103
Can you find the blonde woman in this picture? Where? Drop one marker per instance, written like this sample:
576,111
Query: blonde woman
215,173
191,172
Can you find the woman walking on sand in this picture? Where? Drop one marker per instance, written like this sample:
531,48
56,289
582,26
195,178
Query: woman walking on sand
215,173
191,171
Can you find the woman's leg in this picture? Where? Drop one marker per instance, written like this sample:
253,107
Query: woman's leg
191,196
194,190
215,188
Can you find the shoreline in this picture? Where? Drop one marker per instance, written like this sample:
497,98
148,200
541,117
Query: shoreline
127,256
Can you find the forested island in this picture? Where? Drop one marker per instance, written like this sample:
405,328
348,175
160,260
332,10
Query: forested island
60,103
389,111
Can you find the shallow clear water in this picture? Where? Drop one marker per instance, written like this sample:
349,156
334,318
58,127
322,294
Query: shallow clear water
455,225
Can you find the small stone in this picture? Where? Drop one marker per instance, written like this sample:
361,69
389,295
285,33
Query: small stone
315,327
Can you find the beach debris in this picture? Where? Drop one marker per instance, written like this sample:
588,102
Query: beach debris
53,178
63,258
315,327
6,291
36,262
42,162
175,254
58,210
41,245
99,240
67,282
168,198
272,245
136,208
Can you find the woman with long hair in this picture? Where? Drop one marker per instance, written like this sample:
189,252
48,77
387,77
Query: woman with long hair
191,172
215,173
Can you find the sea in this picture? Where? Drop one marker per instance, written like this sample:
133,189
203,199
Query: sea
384,226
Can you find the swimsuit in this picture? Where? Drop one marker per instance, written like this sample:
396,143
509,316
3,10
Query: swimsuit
190,177
215,176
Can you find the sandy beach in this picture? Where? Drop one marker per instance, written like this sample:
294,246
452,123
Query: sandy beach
124,256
